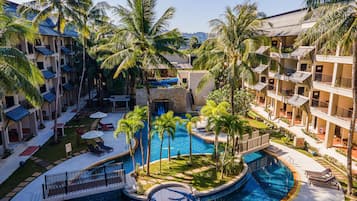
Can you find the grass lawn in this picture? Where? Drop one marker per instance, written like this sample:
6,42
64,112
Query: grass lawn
201,174
48,152
255,123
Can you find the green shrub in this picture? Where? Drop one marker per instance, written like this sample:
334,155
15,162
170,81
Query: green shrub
285,140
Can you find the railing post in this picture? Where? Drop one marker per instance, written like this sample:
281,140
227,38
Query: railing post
43,191
66,187
123,175
105,176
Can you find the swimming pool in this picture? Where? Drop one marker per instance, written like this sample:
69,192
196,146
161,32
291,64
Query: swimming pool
268,179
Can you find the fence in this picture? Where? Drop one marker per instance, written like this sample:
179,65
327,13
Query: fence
84,180
253,144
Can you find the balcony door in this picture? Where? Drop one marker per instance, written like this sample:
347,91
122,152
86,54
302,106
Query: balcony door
318,74
315,98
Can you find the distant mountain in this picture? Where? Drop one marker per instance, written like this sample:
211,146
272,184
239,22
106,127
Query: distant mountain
200,35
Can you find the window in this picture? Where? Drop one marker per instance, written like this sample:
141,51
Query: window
274,43
62,62
38,42
56,46
184,80
63,80
43,88
303,67
263,79
40,65
301,90
10,101
30,48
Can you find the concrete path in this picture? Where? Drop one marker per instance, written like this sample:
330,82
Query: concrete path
11,163
33,191
297,130
301,164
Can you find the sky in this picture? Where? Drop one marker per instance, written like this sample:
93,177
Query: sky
193,15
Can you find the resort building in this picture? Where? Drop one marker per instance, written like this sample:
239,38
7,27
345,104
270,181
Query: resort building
311,88
22,120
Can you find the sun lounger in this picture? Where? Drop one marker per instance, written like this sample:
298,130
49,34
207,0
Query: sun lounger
273,149
325,178
318,174
104,147
95,150
106,127
333,184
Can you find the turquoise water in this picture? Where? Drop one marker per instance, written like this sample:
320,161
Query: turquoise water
268,179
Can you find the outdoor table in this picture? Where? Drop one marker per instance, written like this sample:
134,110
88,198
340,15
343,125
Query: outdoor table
120,98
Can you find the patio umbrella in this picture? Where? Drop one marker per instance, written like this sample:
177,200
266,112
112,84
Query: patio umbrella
92,134
98,115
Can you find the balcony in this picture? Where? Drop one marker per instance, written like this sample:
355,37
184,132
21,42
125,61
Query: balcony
343,112
271,87
325,78
320,105
344,82
287,92
334,59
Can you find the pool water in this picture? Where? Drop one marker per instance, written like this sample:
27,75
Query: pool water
268,179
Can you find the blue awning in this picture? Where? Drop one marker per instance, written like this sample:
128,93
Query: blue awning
48,31
49,97
67,68
48,74
44,51
17,114
68,87
67,51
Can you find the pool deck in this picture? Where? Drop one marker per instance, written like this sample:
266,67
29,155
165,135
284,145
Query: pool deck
33,191
301,163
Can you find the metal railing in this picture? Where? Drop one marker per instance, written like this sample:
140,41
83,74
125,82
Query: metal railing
84,180
317,103
344,112
287,92
344,82
320,77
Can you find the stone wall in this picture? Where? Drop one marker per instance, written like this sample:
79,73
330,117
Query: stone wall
177,97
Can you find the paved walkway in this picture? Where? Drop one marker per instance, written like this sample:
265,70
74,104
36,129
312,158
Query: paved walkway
301,164
11,163
33,191
297,130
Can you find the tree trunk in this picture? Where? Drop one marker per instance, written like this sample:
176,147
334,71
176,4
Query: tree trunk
142,149
232,99
190,148
82,76
168,149
149,124
216,148
58,93
132,155
224,156
161,153
3,133
354,115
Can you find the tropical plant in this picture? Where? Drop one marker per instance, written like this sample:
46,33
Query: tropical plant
165,124
64,11
141,114
194,42
91,19
336,26
190,122
213,112
17,73
237,36
140,43
129,126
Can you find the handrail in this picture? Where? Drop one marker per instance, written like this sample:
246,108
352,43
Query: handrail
343,112
320,77
318,103
344,82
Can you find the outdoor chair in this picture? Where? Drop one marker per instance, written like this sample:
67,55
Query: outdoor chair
318,174
104,147
95,150
106,127
333,184
325,178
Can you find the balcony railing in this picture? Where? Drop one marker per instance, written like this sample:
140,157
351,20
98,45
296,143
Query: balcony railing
287,92
344,82
319,103
320,77
344,112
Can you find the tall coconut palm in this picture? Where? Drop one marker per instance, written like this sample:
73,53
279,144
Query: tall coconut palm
236,38
141,114
64,11
91,19
337,26
190,122
129,126
145,41
17,73
161,127
213,112
170,121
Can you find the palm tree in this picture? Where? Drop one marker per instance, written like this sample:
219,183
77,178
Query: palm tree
337,26
17,73
213,112
141,114
237,36
190,121
141,43
64,10
161,126
92,18
129,126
